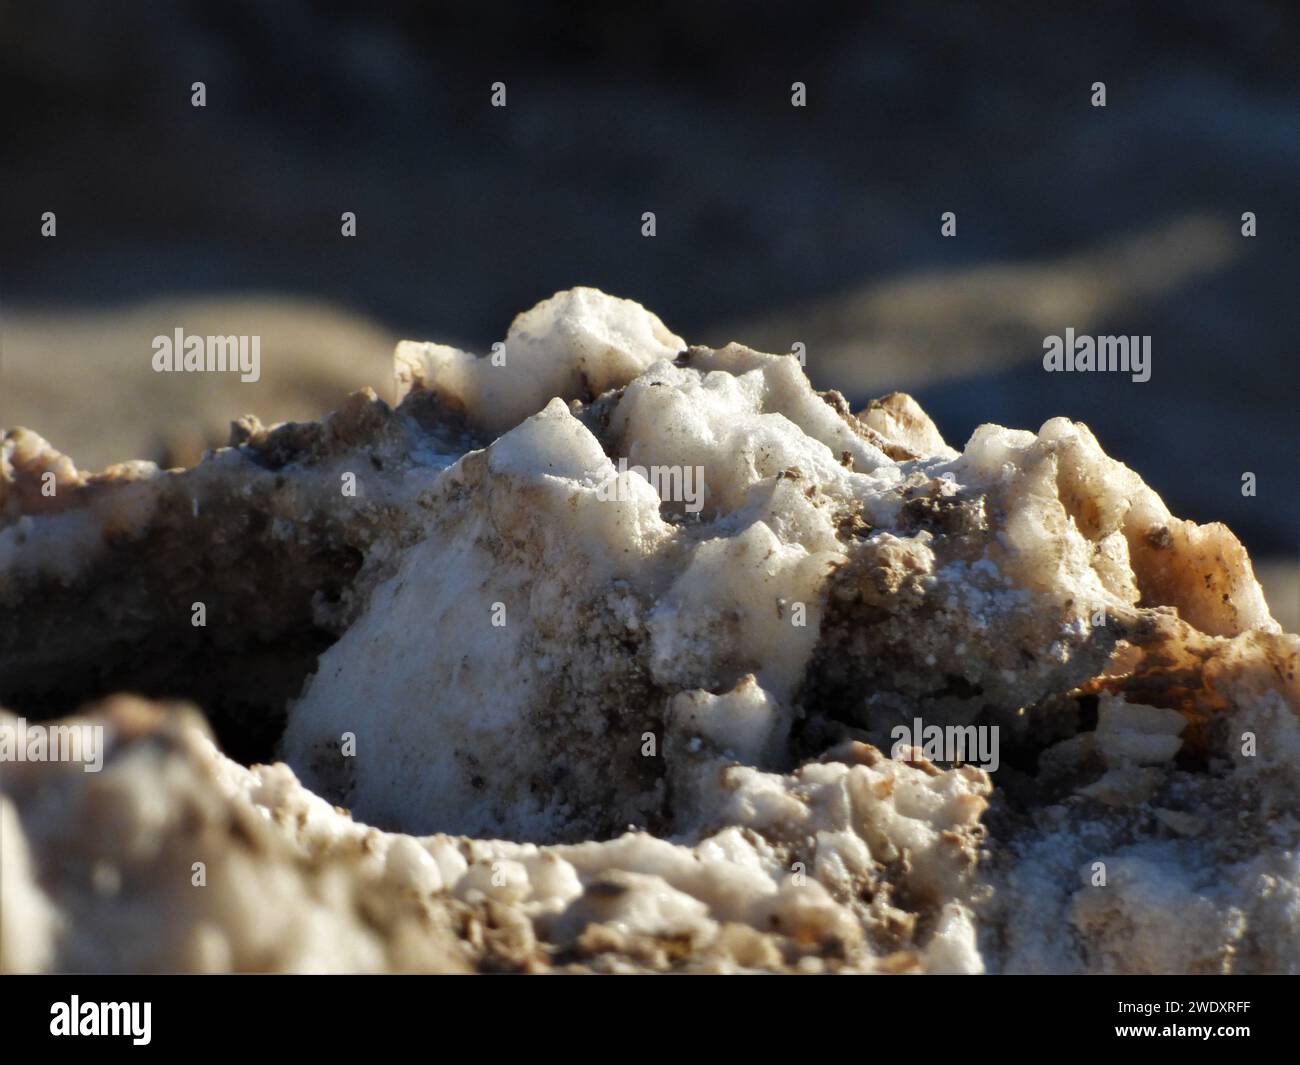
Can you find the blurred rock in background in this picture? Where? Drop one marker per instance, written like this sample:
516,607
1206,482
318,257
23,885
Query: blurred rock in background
77,376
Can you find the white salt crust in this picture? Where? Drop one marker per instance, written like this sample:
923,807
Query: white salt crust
517,647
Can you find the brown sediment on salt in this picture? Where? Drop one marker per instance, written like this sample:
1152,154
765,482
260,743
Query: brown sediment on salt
100,573
601,730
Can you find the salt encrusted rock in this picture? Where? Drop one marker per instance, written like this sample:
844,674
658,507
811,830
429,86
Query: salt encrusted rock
578,344
99,579
112,856
292,884
675,709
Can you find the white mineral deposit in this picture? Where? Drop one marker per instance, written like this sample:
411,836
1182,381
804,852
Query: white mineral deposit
511,720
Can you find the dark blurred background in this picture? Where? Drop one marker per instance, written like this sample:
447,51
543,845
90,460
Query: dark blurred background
776,224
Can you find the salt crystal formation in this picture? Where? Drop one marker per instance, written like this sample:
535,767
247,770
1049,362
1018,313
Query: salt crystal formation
584,727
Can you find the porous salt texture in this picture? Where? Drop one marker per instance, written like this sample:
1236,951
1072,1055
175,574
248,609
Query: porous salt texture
992,562
292,884
579,342
648,736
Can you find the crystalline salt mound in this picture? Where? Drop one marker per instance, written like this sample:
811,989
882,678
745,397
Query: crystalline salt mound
522,643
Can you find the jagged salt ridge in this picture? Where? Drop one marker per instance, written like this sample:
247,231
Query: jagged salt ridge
1027,582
